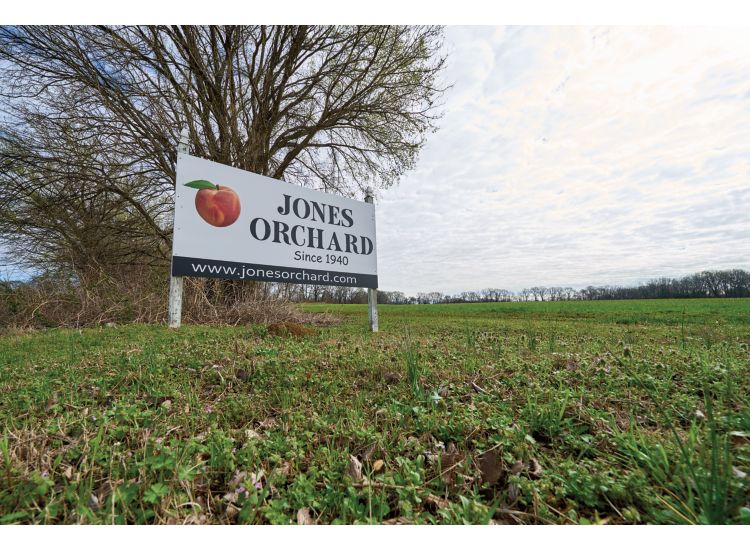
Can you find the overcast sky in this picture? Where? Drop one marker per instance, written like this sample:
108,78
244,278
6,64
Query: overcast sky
574,156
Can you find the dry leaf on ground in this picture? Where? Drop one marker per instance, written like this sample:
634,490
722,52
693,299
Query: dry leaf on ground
518,467
268,423
513,492
448,462
355,468
368,452
434,503
304,517
397,521
283,470
491,466
536,469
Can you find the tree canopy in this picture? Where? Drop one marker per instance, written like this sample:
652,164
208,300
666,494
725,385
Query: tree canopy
91,117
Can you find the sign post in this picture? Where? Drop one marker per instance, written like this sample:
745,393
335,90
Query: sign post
175,283
234,224
372,293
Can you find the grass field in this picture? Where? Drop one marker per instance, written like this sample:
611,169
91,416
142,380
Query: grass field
568,412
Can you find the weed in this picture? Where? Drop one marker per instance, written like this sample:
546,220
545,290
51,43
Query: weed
707,464
552,341
471,338
531,338
546,419
683,337
413,371
704,487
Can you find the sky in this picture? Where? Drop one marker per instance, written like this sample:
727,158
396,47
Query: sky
576,156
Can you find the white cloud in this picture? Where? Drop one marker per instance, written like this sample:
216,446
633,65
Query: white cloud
576,156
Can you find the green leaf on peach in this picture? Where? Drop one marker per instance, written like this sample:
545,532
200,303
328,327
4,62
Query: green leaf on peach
201,184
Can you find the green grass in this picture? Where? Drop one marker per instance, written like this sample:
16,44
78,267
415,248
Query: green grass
570,412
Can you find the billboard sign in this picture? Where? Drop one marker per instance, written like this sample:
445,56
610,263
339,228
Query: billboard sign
234,224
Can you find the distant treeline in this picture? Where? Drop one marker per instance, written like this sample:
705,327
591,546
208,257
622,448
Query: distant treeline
52,301
733,283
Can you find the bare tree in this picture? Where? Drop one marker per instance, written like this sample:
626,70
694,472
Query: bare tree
91,115
539,292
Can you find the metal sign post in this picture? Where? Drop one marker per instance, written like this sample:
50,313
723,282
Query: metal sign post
175,283
372,293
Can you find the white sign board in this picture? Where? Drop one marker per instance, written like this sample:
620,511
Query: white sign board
233,224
